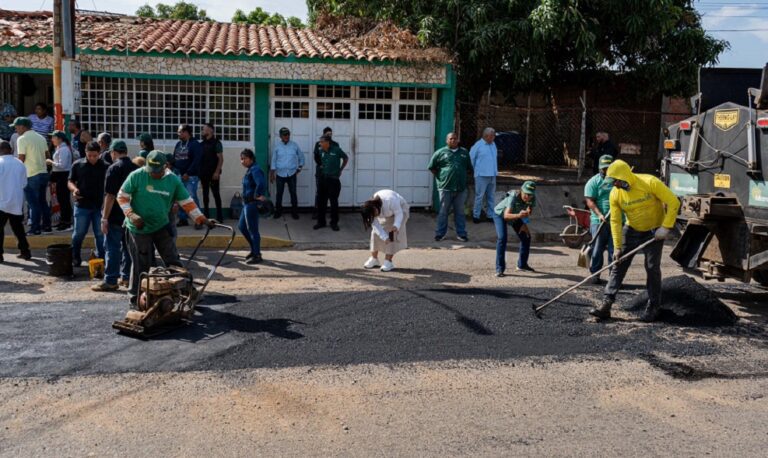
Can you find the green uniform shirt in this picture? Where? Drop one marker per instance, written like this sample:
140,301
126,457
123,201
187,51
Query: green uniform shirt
452,167
33,146
602,197
152,199
514,202
331,161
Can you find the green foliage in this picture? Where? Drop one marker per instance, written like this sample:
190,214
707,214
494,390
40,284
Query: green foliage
521,45
181,10
260,17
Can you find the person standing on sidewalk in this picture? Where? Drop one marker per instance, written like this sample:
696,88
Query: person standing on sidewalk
61,164
187,155
316,153
650,208
485,163
117,264
146,144
515,210
78,145
333,161
105,141
598,201
450,166
86,181
42,122
287,162
32,151
254,188
13,180
386,214
210,170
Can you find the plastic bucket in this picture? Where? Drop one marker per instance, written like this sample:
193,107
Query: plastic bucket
96,268
59,259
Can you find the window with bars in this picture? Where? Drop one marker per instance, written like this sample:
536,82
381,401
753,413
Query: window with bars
377,93
415,113
127,107
374,111
9,89
334,92
415,93
291,90
334,110
290,109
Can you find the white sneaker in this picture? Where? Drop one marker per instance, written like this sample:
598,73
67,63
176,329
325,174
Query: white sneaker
387,266
371,263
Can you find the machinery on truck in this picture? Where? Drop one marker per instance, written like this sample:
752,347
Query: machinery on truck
717,163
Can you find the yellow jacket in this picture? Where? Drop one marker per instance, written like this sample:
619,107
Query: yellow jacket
643,204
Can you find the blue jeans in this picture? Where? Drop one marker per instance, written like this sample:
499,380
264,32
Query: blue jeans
249,226
38,204
191,186
501,242
484,186
118,260
603,241
85,217
452,200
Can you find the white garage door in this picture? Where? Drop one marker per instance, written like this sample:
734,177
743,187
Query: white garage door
386,132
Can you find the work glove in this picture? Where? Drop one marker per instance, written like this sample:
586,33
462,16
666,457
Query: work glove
661,233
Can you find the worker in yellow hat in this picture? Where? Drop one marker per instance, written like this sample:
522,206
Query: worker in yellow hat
650,208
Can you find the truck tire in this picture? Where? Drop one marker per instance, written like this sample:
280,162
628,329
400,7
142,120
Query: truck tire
760,276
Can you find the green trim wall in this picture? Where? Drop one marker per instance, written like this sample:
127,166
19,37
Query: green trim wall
261,125
444,122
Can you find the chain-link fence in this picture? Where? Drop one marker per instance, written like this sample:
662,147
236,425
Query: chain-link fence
553,137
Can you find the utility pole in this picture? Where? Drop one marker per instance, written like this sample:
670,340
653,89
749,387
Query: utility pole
66,70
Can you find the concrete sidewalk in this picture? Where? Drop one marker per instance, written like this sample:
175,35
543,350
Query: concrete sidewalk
286,232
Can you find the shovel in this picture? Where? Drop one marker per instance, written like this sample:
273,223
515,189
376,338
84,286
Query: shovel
537,309
585,254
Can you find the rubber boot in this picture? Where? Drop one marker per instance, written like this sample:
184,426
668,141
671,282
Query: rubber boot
651,313
603,311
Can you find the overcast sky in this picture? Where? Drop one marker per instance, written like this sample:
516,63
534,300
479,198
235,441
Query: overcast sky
748,48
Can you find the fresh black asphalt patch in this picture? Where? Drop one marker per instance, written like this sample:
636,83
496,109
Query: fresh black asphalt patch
281,330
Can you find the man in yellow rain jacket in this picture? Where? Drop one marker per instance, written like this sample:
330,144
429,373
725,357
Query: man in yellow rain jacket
650,209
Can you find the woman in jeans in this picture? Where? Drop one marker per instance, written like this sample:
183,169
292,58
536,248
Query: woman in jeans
386,214
514,209
254,187
61,164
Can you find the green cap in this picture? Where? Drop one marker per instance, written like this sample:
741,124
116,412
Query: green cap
156,161
22,121
119,146
529,187
284,131
145,138
605,161
59,134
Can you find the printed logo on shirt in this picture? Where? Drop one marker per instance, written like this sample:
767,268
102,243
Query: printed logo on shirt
151,189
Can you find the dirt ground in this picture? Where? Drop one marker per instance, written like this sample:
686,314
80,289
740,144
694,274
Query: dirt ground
363,375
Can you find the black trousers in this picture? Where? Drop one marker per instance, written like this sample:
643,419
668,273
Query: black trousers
17,226
280,183
142,248
633,239
209,184
63,196
329,189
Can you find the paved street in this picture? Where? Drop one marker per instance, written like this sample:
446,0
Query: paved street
308,354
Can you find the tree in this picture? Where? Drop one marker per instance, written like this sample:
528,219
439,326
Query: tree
522,45
260,17
180,10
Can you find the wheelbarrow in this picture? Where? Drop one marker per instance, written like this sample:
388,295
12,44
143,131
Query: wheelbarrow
576,233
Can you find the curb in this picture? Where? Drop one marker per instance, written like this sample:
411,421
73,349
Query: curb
41,242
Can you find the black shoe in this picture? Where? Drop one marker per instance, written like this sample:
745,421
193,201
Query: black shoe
47,230
295,215
25,255
462,238
439,238
500,274
525,269
476,220
255,259
335,227
650,314
32,233
250,255
318,226
602,312
182,223
597,281
63,227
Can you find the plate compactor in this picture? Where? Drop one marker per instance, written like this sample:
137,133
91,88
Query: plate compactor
168,295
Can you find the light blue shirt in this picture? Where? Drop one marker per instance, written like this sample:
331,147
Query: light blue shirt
483,157
287,158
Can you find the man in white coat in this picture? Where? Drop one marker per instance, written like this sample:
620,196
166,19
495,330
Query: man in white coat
386,214
13,180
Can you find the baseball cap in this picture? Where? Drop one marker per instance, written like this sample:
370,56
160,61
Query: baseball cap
22,121
156,161
145,138
284,131
605,161
119,146
529,187
325,138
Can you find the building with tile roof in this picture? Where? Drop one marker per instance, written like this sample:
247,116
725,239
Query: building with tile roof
389,107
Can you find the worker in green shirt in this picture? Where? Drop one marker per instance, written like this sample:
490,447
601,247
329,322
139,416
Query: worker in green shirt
146,198
599,202
450,166
332,162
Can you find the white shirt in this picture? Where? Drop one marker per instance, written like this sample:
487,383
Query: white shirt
13,180
15,150
392,204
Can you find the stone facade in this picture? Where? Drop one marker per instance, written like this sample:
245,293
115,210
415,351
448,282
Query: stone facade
422,73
